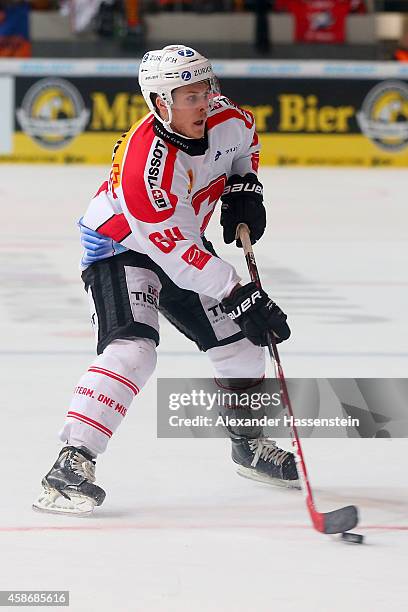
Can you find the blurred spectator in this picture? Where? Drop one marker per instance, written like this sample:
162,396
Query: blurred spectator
358,6
43,5
174,5
81,12
401,52
14,29
203,6
354,6
106,14
251,5
320,21
107,17
396,6
262,40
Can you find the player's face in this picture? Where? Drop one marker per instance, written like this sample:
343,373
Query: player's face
190,109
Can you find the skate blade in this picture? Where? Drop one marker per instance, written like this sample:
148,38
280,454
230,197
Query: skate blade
252,474
52,502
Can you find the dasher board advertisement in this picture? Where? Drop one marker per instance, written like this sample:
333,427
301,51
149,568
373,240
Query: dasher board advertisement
350,114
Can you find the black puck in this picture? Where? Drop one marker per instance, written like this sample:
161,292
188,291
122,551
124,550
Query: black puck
353,538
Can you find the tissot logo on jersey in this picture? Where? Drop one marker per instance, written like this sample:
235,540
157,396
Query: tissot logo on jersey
144,298
155,163
167,196
154,173
217,310
152,291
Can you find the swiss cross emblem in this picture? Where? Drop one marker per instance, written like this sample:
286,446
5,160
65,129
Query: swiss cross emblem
157,194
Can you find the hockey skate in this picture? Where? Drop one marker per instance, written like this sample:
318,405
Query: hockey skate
261,459
69,487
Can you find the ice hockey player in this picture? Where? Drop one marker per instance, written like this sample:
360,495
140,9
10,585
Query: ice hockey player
145,252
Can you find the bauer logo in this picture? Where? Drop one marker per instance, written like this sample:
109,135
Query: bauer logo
383,117
186,52
53,113
186,75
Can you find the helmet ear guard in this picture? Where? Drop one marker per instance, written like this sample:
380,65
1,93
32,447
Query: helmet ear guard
164,70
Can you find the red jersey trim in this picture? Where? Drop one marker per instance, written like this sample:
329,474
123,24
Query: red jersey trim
103,187
230,113
144,198
116,228
169,172
255,162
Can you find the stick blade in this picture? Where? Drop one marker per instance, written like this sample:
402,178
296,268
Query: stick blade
341,520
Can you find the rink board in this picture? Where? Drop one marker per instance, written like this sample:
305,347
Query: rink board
307,113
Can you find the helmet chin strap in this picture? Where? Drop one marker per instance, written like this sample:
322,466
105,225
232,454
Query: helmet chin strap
167,123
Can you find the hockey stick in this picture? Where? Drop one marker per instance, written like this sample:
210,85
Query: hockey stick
337,521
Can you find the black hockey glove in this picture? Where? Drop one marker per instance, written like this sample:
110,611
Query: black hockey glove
256,314
242,202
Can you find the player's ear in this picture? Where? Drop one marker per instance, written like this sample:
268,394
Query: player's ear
161,107
160,103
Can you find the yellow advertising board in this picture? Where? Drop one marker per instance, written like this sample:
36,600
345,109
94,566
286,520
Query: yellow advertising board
307,113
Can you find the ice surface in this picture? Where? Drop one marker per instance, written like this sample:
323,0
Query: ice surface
179,531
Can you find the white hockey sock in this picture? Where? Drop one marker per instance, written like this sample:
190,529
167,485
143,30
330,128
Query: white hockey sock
239,370
241,359
105,392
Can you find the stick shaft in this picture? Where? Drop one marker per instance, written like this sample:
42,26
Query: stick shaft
243,233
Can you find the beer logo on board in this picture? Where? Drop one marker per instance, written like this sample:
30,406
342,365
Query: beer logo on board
53,113
383,117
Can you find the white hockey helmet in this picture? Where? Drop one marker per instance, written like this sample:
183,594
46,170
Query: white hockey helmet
163,70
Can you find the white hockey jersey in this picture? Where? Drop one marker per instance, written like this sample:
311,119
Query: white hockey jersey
159,198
